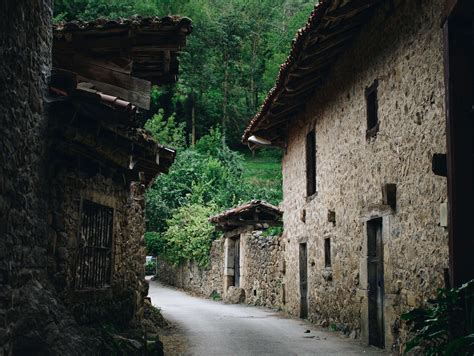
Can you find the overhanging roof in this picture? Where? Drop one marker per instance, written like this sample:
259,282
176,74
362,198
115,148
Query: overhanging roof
255,212
100,127
330,30
125,57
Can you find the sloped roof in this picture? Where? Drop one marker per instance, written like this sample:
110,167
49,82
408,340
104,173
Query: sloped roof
253,212
330,29
166,23
123,57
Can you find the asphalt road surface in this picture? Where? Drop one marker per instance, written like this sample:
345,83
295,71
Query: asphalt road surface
215,328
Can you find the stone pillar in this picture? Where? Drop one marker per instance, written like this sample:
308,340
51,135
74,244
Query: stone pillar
229,250
32,320
137,247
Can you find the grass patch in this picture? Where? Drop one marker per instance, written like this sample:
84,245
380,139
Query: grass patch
264,168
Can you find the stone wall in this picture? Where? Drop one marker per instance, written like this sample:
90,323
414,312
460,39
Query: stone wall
261,267
32,320
191,277
123,301
263,270
401,47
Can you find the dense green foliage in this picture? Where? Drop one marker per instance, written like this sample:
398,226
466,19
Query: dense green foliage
446,327
203,181
231,60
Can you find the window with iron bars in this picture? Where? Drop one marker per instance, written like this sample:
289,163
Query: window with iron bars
94,266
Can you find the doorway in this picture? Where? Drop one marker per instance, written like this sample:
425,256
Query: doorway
375,282
237,262
303,281
459,80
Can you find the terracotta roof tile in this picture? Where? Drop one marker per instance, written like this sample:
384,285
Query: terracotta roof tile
103,24
253,204
328,15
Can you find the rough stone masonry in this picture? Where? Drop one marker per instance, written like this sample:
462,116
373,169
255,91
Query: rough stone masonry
400,48
31,318
261,265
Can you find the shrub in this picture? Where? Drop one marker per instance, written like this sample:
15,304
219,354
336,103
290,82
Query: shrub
150,268
189,235
446,326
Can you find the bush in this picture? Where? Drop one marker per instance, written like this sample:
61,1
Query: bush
150,268
203,181
189,235
446,326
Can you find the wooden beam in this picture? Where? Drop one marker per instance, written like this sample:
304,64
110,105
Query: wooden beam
109,77
141,100
167,59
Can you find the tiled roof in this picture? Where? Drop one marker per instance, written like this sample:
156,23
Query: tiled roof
103,24
250,206
330,28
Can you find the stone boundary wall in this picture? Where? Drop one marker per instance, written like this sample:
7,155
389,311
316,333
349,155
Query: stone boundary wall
193,278
264,270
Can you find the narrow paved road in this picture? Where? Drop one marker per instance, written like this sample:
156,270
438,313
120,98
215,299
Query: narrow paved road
215,328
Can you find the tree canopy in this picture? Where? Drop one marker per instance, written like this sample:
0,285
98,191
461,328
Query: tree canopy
231,60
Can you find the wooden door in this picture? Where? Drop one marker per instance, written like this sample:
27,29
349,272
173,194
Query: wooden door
303,281
375,282
237,263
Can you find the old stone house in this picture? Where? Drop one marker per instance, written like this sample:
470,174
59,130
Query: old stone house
244,265
73,164
101,159
362,99
247,272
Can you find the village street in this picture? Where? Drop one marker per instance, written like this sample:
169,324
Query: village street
215,328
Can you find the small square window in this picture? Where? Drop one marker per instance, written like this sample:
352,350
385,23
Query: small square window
372,110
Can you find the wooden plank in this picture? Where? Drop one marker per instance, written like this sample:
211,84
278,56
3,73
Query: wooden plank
117,64
141,100
111,77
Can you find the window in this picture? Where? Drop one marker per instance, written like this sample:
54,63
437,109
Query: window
310,163
95,257
372,110
327,252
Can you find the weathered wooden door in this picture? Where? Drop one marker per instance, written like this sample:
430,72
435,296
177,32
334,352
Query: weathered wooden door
237,263
375,282
303,281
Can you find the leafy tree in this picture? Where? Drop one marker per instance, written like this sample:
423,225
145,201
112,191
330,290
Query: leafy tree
166,131
189,235
231,59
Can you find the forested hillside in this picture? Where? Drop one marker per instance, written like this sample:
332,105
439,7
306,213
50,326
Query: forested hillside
231,60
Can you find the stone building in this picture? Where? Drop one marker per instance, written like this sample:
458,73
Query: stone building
74,163
244,275
244,265
361,98
101,159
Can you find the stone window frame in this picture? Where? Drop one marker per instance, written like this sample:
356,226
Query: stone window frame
109,202
372,107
